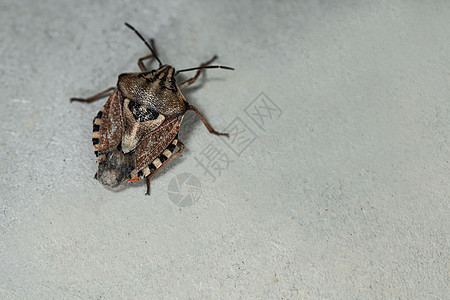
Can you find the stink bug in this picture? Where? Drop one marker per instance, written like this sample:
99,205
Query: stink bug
136,131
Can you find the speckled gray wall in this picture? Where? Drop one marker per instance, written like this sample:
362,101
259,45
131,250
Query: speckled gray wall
334,183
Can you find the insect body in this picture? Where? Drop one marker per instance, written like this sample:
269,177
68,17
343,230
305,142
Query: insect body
136,132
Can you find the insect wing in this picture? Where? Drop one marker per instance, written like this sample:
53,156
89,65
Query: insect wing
108,125
155,143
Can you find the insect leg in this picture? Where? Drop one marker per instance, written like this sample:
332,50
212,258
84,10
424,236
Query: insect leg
95,97
193,79
141,60
180,146
147,180
209,127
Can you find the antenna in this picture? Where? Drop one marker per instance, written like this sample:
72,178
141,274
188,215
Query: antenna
205,67
142,38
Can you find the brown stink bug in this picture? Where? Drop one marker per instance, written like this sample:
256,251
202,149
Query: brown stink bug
136,131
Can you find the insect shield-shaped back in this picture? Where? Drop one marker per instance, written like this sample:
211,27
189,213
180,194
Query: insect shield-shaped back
136,132
138,123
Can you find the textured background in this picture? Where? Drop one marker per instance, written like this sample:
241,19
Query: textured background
342,193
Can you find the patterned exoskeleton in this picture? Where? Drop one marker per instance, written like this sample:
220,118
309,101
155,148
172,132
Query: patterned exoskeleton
136,131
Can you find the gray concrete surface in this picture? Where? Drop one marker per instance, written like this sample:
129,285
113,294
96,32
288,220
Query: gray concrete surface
338,189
